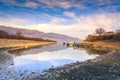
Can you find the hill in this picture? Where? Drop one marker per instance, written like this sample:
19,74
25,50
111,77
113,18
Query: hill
39,34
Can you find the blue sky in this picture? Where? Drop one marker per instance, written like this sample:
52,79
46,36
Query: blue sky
76,18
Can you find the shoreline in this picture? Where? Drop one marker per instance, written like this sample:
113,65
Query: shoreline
13,44
5,50
74,71
102,44
96,69
57,73
69,70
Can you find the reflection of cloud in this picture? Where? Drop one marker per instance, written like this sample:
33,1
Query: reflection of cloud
61,55
44,60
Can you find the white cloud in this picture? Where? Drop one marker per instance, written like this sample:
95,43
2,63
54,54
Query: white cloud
57,20
31,4
69,14
12,2
82,26
13,22
19,21
66,4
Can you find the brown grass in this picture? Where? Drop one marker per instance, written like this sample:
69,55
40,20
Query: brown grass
13,43
108,44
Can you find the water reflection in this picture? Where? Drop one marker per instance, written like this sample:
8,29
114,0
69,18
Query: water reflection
96,51
39,59
48,48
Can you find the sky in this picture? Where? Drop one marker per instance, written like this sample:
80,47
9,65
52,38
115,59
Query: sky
76,18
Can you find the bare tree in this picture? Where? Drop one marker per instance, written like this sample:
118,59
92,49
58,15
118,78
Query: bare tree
19,33
100,31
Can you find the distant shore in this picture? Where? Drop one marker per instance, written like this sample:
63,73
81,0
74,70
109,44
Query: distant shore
104,44
22,44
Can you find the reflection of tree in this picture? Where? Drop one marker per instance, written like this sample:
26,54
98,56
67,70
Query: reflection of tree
17,52
48,48
95,51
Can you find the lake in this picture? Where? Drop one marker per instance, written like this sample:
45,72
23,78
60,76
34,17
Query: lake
42,58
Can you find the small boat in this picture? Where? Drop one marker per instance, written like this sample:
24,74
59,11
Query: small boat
70,44
75,45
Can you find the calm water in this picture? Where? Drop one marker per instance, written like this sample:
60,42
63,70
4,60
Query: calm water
39,59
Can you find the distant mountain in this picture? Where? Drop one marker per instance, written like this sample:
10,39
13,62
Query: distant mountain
39,34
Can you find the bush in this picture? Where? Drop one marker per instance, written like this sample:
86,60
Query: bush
113,37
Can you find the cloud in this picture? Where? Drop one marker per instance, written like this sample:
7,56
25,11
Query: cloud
80,26
83,25
31,4
11,2
6,15
66,4
57,20
15,22
19,21
26,3
69,14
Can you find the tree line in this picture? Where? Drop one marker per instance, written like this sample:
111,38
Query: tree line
101,35
19,36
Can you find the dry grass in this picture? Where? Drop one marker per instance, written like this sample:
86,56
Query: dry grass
13,43
112,45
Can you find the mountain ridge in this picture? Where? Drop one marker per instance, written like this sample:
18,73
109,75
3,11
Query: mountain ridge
39,34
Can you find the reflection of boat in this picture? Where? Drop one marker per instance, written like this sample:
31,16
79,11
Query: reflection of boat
70,44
